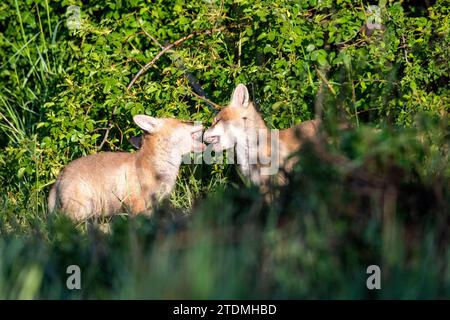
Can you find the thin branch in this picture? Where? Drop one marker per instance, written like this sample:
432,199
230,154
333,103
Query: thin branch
105,138
132,35
350,78
214,105
167,48
108,129
149,35
368,110
405,46
322,77
149,64
178,60
100,129
318,104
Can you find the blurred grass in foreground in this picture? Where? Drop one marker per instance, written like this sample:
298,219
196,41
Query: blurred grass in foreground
385,202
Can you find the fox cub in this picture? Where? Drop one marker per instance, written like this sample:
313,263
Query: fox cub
110,182
240,126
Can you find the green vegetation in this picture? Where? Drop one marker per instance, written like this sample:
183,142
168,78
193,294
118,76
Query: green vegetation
63,94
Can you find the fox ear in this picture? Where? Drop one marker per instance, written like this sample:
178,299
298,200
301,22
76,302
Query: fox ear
240,97
147,123
136,141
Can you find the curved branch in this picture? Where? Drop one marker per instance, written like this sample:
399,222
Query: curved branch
205,99
167,48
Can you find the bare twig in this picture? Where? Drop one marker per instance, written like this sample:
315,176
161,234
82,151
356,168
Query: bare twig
149,35
167,48
108,129
368,110
214,105
318,104
350,78
105,138
322,77
149,64
240,50
404,45
127,39
178,60
100,129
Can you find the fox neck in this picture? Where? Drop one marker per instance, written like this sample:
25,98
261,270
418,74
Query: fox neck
162,161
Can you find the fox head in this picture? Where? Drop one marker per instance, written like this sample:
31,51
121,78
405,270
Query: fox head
230,124
184,136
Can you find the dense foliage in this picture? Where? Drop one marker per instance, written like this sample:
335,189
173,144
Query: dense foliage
383,64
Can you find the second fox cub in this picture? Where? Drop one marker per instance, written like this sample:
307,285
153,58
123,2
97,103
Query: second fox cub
106,183
240,126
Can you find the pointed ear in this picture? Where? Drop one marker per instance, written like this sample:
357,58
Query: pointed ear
147,123
136,141
240,97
